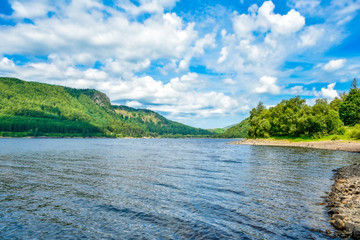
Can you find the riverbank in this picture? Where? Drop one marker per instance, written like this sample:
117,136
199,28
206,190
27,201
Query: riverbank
342,145
344,202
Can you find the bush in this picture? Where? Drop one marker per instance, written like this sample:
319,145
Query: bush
336,137
355,133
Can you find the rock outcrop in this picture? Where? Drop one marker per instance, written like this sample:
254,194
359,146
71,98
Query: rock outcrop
344,202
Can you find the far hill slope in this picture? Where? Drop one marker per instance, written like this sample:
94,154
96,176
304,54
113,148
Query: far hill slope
153,122
238,131
31,108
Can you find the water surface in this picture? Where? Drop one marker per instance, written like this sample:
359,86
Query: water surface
163,189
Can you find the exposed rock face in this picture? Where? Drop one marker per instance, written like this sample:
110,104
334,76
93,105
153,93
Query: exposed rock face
344,202
101,99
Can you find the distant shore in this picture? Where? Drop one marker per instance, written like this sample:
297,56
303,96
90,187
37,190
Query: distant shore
341,145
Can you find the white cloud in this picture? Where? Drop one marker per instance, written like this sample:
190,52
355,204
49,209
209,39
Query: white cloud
281,24
223,55
266,20
109,38
329,92
229,81
326,92
334,65
268,85
297,90
311,36
133,104
306,6
207,42
177,96
95,74
6,64
261,43
148,6
31,8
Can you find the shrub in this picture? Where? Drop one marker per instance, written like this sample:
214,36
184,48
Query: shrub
355,133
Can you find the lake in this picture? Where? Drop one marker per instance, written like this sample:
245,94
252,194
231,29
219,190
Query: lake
163,189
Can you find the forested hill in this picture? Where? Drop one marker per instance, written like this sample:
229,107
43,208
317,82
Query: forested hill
237,131
38,109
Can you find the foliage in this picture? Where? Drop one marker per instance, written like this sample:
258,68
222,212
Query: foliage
349,109
40,109
355,132
238,131
154,123
295,118
217,130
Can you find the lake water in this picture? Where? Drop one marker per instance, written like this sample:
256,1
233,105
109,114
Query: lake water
163,189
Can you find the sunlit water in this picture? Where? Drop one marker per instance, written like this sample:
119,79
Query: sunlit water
163,189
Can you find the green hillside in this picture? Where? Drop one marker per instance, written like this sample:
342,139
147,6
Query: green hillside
237,131
153,122
31,109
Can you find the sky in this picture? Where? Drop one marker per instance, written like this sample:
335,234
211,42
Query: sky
202,63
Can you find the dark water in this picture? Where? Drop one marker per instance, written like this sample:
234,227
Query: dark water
162,189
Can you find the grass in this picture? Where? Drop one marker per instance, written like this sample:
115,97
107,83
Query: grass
349,132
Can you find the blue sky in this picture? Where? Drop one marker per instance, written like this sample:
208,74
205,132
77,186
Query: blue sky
202,63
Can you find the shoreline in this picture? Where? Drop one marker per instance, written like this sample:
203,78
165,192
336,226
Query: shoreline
343,202
340,145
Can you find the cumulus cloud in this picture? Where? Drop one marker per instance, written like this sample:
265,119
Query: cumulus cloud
6,64
326,92
334,65
329,92
110,38
266,20
268,85
261,42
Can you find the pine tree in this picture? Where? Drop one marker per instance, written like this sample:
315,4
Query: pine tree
354,84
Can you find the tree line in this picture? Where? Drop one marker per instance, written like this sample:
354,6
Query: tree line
295,118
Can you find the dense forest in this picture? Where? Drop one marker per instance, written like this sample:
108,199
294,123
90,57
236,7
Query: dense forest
38,109
294,118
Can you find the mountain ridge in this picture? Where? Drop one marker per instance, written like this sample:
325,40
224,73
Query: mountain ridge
33,108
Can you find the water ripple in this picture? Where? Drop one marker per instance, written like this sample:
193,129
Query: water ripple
162,189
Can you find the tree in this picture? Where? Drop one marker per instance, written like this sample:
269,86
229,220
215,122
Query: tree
349,109
354,84
256,111
293,117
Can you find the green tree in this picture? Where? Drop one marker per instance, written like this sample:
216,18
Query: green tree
293,117
354,84
349,109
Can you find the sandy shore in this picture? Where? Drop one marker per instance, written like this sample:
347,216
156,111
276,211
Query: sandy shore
342,145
